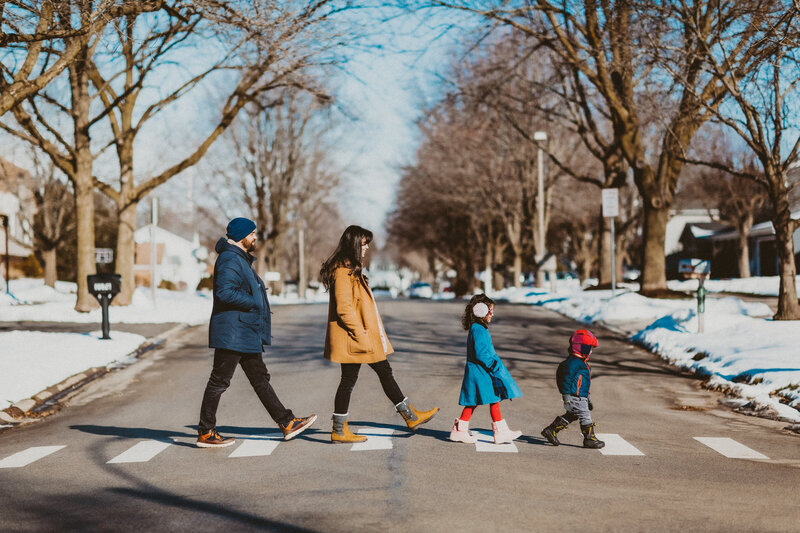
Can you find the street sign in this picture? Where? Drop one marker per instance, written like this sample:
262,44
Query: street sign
610,203
272,276
103,256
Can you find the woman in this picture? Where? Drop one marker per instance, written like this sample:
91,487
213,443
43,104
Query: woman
355,333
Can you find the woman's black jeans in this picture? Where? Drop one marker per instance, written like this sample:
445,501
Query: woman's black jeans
225,362
350,376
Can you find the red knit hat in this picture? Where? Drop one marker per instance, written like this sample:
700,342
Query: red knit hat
582,341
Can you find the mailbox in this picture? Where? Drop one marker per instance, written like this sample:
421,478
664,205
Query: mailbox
104,287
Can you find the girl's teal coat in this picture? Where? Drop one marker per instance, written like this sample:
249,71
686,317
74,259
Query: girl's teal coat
482,364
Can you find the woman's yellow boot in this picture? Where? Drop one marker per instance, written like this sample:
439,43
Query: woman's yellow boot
341,433
413,417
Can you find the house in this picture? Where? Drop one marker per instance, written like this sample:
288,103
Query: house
678,240
762,247
19,209
179,261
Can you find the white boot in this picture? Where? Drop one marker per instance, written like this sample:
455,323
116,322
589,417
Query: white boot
460,432
502,434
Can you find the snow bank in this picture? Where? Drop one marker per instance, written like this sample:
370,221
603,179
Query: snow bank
742,350
31,361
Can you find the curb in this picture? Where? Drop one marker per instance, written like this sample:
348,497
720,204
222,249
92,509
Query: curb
38,404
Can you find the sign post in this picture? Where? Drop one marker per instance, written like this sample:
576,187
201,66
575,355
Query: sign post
611,210
104,287
698,269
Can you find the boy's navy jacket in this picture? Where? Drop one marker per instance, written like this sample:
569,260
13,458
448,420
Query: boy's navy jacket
483,364
240,318
574,376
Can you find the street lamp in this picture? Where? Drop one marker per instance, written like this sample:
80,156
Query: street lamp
540,137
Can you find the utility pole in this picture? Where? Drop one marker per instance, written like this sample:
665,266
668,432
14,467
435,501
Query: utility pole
301,264
4,218
540,137
153,247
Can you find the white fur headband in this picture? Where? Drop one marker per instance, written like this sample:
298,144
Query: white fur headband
480,310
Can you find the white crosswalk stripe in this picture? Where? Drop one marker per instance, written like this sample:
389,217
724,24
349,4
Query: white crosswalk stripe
257,446
616,445
730,448
26,457
486,443
141,452
377,439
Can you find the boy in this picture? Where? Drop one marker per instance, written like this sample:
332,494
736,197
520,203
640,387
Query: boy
574,378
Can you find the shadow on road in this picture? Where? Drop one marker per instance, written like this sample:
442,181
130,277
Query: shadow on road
138,433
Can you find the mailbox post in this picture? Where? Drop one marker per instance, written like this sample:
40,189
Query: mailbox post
104,287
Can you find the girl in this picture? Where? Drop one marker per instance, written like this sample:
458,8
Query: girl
355,333
486,379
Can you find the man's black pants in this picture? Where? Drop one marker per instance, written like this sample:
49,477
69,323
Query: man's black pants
225,362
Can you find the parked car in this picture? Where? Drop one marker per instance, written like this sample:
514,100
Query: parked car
420,289
382,291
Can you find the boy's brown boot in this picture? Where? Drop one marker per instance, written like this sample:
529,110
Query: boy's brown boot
590,440
550,431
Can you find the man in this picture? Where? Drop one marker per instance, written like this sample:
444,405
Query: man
238,331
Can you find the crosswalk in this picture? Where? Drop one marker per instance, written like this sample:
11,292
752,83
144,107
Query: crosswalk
379,438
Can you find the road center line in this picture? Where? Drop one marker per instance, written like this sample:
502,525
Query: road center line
28,456
256,446
141,452
730,448
486,443
377,439
616,445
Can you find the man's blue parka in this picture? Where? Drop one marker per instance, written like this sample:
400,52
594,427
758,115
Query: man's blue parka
240,318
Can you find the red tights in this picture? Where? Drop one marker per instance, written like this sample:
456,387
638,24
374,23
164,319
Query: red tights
494,409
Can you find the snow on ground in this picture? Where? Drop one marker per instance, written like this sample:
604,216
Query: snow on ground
742,350
31,361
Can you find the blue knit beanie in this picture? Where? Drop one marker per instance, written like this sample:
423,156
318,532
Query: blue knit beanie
239,228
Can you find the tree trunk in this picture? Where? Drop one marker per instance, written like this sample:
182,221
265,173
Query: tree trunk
50,273
654,278
84,213
83,179
126,251
744,250
488,271
788,308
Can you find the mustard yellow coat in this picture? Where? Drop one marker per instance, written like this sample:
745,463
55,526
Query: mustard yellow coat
354,325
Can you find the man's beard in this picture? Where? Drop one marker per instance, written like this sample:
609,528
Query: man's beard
251,247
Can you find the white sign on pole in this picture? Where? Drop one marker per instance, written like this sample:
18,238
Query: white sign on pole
610,203
272,276
103,256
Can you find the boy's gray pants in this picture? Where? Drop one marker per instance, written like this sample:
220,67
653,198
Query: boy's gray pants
577,409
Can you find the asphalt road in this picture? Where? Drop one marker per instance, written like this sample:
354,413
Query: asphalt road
664,478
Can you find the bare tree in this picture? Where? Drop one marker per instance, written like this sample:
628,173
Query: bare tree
614,46
279,43
54,220
30,29
266,46
765,101
281,175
